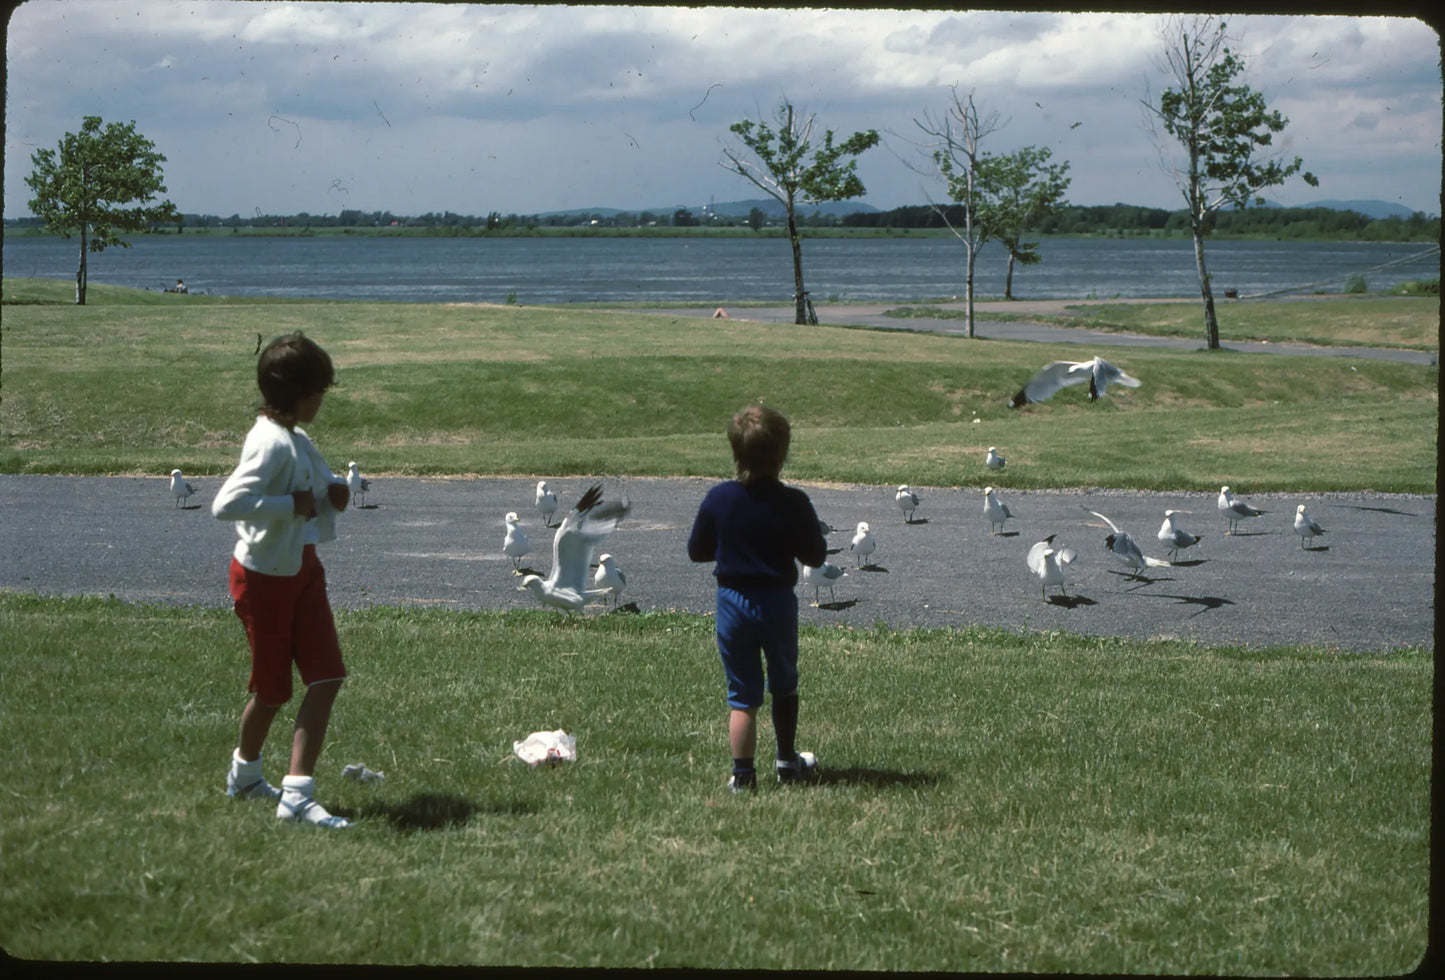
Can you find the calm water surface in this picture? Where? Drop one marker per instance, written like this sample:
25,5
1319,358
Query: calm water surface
613,270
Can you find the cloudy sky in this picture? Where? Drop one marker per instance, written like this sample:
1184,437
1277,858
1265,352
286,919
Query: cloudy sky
473,108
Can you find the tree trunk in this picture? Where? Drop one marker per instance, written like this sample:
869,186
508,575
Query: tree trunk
1008,280
81,273
968,290
800,309
1211,321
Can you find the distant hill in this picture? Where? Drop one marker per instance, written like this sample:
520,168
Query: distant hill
1370,209
728,209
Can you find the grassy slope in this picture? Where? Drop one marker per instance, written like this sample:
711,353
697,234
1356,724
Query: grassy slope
135,386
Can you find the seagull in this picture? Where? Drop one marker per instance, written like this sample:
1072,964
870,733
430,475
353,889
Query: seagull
1235,510
180,489
1124,548
578,535
546,503
1175,538
825,527
1060,374
993,460
1048,564
515,544
356,483
995,510
824,574
1305,525
862,544
907,501
609,577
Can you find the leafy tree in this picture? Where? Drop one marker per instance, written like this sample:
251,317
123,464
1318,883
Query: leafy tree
1021,189
757,218
957,158
85,184
785,172
1223,128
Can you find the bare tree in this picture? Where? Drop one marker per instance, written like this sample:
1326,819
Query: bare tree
954,141
784,172
1222,129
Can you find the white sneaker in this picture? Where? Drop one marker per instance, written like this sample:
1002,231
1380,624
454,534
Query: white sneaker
245,782
803,768
297,804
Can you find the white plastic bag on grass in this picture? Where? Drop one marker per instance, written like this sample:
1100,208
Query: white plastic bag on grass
546,748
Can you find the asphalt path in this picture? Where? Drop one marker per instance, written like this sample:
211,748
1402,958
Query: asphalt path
1368,584
875,315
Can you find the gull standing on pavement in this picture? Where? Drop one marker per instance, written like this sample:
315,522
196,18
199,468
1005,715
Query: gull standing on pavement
1122,546
1235,510
515,545
180,489
907,500
1173,537
546,503
1048,564
356,483
1305,526
824,574
862,544
995,510
565,587
609,577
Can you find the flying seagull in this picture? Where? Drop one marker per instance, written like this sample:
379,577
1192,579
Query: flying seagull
356,483
993,460
1173,537
1124,548
907,500
995,510
1048,563
546,503
180,489
1305,526
1235,510
515,545
1060,374
862,544
609,577
824,574
565,587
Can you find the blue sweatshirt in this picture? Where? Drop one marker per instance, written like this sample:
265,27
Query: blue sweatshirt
755,532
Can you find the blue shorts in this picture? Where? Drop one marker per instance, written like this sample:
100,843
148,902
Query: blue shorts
751,626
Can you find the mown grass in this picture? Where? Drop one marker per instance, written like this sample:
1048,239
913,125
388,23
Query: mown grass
992,801
1405,322
449,389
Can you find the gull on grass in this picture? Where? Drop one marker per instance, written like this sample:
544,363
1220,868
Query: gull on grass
1235,510
356,483
1305,526
995,510
1058,375
1175,538
824,574
907,500
1048,564
993,460
180,489
580,532
515,545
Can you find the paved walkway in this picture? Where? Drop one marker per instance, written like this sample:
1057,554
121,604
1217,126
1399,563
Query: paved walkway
874,315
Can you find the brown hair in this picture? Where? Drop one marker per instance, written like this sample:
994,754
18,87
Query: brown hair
291,367
759,437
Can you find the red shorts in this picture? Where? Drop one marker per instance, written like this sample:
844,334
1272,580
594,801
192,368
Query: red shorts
288,620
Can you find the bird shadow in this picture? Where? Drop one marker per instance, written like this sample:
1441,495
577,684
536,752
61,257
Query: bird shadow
432,811
1206,602
871,567
1004,534
1379,510
916,520
1323,547
876,778
838,604
1191,563
1141,578
834,551
1247,534
1070,601
368,506
191,506
630,609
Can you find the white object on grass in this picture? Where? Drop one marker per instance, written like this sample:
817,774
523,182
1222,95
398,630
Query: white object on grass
993,460
546,748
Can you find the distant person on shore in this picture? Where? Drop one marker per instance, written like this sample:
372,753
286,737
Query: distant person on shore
284,499
180,287
754,527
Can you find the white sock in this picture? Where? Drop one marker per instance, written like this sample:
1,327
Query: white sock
243,768
297,803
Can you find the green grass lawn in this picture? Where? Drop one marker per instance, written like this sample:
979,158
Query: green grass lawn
991,801
140,387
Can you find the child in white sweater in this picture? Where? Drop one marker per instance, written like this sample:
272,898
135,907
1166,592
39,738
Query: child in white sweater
284,499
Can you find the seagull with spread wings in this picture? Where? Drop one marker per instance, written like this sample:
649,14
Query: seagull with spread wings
1059,375
581,531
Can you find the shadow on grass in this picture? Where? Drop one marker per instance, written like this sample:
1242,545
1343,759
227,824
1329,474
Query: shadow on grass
876,778
433,811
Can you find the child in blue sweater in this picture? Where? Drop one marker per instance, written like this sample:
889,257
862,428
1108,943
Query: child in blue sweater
754,527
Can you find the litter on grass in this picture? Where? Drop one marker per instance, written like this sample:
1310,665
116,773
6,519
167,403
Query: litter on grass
546,748
362,774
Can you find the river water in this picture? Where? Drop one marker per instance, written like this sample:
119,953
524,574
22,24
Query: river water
672,270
